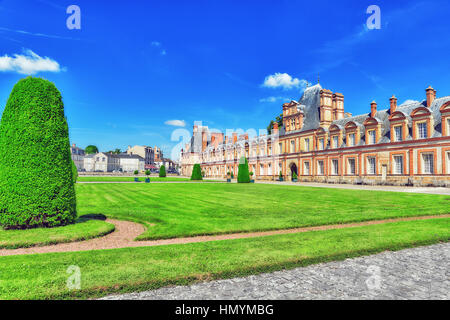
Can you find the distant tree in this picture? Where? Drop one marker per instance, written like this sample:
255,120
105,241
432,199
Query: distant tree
36,170
196,172
278,119
91,149
162,171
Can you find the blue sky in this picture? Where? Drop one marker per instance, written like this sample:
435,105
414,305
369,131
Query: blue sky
136,65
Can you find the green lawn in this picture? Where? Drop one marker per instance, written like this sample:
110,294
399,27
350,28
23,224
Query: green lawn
44,276
121,179
179,210
141,179
82,230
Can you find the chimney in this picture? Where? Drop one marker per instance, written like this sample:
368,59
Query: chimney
234,137
431,95
373,109
275,128
393,104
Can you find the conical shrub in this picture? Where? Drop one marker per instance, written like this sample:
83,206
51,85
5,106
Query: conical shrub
36,177
243,173
162,171
196,172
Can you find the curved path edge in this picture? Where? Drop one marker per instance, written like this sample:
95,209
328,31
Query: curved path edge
126,232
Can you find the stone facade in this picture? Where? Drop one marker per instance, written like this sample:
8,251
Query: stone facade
108,162
145,152
406,144
77,155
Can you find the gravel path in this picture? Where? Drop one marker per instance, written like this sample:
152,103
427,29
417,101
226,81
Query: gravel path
125,232
418,273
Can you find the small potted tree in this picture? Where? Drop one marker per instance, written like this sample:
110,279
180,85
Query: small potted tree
228,176
251,177
294,177
147,173
281,176
136,179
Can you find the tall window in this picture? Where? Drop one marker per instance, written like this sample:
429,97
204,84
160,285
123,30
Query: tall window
422,130
371,165
280,147
398,135
335,142
307,144
335,166
351,138
428,163
351,167
321,144
270,151
448,126
292,146
372,137
398,164
261,170
306,168
269,169
320,169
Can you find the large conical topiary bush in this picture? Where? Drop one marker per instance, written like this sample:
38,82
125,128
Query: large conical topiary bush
162,171
243,174
36,177
196,172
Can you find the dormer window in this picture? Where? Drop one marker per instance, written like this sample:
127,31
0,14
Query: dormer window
422,130
321,144
372,137
351,138
335,142
398,133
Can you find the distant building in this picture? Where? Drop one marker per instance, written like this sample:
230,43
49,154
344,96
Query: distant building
145,152
108,162
158,154
407,144
77,157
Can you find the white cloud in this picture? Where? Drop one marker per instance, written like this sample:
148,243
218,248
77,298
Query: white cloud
28,63
156,43
176,123
274,99
283,80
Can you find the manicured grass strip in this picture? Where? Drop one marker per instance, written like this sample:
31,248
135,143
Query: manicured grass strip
125,270
183,210
82,230
120,179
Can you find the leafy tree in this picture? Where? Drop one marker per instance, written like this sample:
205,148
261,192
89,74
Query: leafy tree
243,174
278,119
136,172
294,175
91,149
196,172
162,171
36,169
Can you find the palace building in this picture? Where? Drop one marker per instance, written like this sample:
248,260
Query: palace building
406,144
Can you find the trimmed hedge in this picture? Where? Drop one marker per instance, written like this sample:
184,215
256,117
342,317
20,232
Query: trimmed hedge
36,177
74,172
196,172
243,174
162,171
